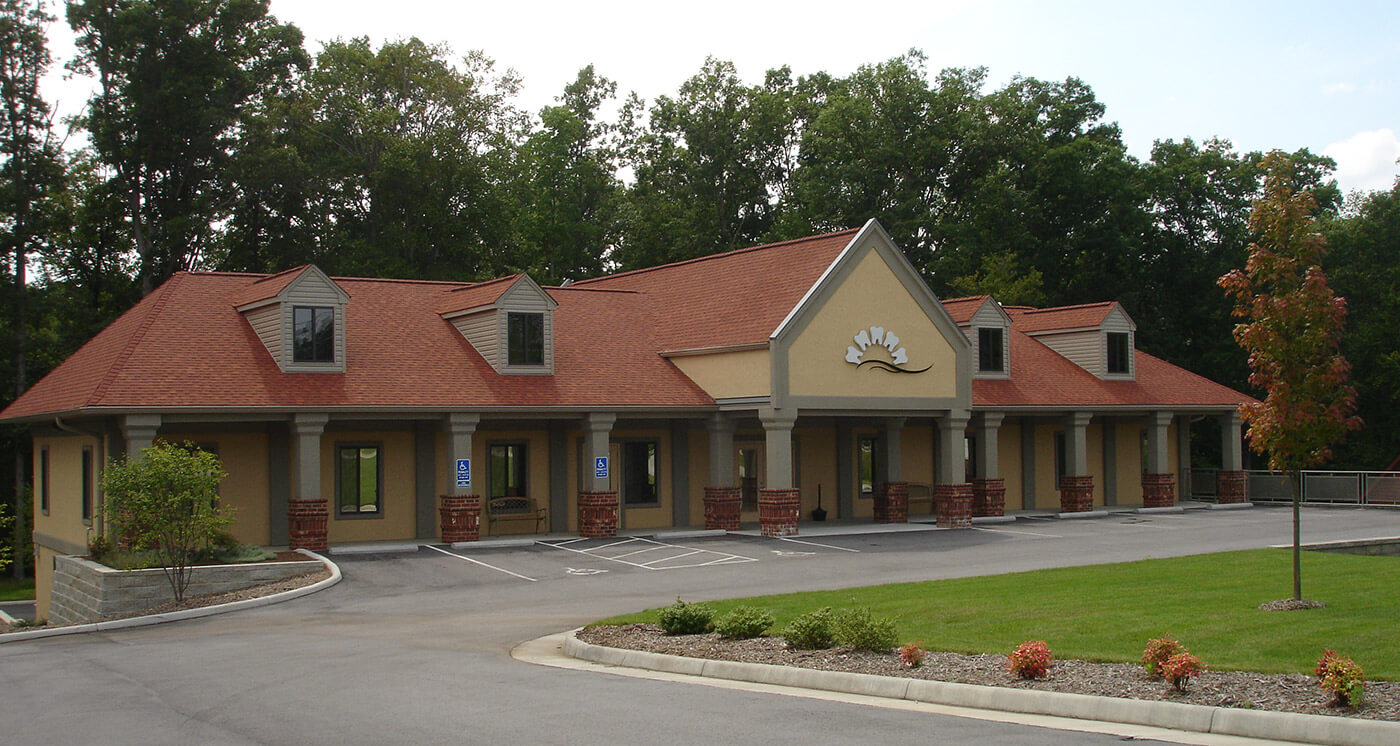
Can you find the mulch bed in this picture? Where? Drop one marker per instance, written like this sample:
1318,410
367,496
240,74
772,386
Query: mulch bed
1274,692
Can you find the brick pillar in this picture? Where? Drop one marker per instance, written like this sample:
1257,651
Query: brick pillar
777,512
952,505
892,502
722,508
1229,486
988,497
1158,490
306,524
597,514
461,518
1076,493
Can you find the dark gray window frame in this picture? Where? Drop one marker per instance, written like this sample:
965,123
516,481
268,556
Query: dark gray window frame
1061,457
622,482
525,354
996,364
874,441
1123,354
379,488
44,480
524,446
88,489
296,358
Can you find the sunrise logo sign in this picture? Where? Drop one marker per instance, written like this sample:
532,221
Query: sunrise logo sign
877,336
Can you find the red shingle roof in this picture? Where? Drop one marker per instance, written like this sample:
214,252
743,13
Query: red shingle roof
963,309
268,287
1032,320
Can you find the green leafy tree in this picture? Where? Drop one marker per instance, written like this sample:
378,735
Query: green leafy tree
175,80
1292,328
167,502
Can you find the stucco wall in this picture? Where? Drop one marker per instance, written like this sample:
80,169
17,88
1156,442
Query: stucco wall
244,457
728,374
397,517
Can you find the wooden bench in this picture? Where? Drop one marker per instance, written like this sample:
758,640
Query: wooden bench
920,493
514,509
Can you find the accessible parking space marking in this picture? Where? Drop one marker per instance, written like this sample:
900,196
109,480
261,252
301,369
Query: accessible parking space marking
815,544
1011,531
479,562
638,545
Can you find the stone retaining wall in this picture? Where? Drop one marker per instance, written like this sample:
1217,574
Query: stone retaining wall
85,591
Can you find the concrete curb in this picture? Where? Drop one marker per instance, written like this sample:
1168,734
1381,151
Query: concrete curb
1150,511
1229,506
1278,726
175,616
1081,514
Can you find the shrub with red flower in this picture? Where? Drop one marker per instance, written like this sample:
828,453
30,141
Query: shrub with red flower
1030,660
1341,676
911,655
1181,668
1157,652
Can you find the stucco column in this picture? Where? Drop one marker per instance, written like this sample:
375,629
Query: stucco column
1230,481
952,496
597,502
460,512
1077,485
892,493
1158,483
722,498
780,502
988,488
306,512
139,432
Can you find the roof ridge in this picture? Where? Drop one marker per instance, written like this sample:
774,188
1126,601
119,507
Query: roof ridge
722,254
163,294
619,291
473,285
275,275
1072,307
964,298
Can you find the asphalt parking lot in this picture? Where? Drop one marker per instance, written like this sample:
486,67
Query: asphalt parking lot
415,647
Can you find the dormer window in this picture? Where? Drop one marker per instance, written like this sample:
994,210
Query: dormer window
313,334
525,338
1118,353
989,350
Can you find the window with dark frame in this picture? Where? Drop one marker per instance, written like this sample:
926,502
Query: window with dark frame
1061,464
87,483
359,479
508,469
866,454
525,338
313,334
989,350
1117,352
44,480
639,473
969,457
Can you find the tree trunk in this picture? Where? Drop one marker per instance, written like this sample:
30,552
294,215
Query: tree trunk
1297,483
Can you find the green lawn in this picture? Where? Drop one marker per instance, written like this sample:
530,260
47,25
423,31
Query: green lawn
1108,612
16,590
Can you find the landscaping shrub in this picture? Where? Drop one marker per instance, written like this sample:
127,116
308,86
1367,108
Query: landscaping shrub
681,618
811,631
1030,660
744,622
1341,676
1181,668
911,655
1157,652
861,630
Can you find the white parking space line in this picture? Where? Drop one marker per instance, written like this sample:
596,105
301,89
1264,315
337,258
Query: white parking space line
668,559
639,551
815,544
479,562
655,564
1009,531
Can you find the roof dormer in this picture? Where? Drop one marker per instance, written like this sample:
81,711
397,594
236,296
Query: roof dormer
300,317
989,329
509,321
1099,337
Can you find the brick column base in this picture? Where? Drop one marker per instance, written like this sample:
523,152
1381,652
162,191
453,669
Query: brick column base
306,525
892,502
777,512
722,508
461,518
1076,493
1229,486
988,497
1158,490
597,514
952,505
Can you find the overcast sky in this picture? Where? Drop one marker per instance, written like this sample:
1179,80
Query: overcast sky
1263,75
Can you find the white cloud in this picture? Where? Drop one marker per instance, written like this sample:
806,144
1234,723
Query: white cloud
1366,160
1339,88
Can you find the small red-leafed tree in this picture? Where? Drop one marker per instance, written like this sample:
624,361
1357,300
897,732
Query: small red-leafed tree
1291,331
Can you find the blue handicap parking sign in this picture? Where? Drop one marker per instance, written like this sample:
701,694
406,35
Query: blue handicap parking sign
464,472
600,467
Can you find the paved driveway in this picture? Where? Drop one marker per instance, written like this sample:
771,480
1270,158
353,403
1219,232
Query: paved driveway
414,648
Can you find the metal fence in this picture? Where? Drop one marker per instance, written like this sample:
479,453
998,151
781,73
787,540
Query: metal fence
1340,487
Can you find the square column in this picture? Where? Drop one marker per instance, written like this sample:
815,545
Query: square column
1158,483
460,512
722,498
892,493
139,432
988,488
597,504
307,515
1230,481
780,503
952,497
1077,485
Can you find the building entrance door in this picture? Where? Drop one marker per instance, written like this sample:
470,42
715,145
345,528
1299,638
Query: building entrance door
748,462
